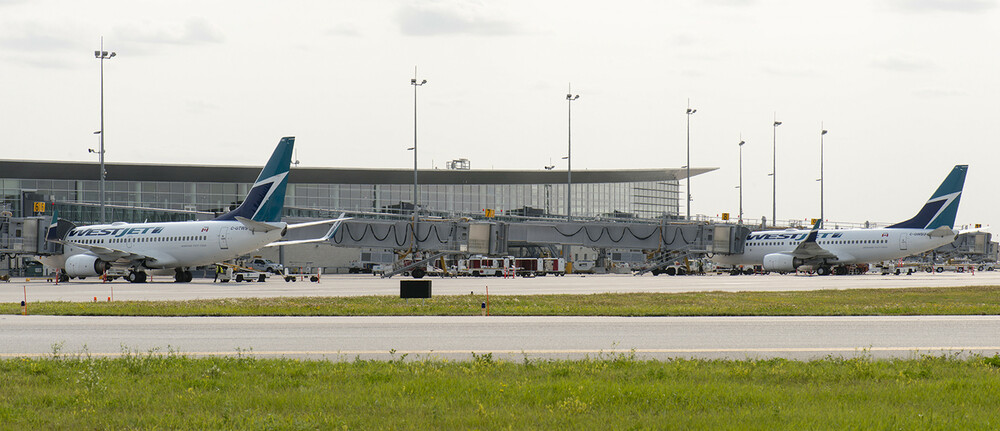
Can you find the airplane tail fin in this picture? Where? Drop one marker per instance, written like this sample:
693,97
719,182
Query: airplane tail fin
942,208
53,233
267,196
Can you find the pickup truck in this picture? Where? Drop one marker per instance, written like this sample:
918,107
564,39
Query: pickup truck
264,265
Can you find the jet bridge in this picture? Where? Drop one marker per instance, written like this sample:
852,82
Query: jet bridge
495,237
25,236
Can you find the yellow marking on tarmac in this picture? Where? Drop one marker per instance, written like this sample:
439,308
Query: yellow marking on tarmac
510,351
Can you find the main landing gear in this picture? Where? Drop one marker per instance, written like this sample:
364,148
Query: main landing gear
134,276
838,270
182,276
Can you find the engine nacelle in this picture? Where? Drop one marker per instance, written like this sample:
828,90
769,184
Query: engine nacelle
781,262
86,265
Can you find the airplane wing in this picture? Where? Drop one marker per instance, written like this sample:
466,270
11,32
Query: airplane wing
109,254
329,233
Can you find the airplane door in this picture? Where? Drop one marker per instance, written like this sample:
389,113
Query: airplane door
902,241
223,243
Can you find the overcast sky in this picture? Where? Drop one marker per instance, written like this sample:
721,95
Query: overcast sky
907,89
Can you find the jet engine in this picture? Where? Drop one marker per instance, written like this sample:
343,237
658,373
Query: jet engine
86,265
781,262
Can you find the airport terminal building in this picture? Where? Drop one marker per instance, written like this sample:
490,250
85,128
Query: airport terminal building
146,192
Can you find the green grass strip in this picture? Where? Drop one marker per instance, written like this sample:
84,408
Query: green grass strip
851,302
152,391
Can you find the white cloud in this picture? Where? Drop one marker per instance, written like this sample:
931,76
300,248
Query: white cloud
938,93
439,18
195,31
34,37
740,3
343,30
901,63
964,6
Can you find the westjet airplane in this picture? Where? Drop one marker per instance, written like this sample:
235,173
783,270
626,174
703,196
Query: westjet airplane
175,247
826,251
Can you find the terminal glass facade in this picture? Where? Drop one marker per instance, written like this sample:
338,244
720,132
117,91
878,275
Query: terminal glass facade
77,199
183,192
640,199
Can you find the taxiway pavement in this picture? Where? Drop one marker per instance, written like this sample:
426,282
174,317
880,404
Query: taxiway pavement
163,288
509,338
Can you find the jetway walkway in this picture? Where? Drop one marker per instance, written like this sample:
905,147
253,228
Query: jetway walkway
495,237
25,236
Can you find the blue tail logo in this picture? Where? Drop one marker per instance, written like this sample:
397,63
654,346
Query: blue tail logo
267,196
53,233
942,208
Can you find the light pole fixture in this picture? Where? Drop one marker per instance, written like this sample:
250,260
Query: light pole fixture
741,179
774,171
570,97
415,84
102,55
690,112
822,133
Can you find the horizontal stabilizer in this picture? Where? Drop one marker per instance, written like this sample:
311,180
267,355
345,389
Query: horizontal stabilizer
256,226
329,233
319,222
942,231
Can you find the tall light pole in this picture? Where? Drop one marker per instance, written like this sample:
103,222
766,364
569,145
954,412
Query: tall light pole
774,170
741,179
690,112
822,133
416,195
570,97
102,55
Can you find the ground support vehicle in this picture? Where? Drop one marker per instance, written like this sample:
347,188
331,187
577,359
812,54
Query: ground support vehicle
236,273
291,278
963,267
263,265
482,266
539,266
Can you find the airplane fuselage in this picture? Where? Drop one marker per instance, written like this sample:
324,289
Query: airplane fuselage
849,245
168,244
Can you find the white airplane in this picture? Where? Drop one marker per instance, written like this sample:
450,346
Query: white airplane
175,247
826,251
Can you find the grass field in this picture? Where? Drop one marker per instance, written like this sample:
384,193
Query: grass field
168,391
852,302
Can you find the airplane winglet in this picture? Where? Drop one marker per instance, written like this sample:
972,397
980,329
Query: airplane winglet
53,232
814,232
256,225
809,248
